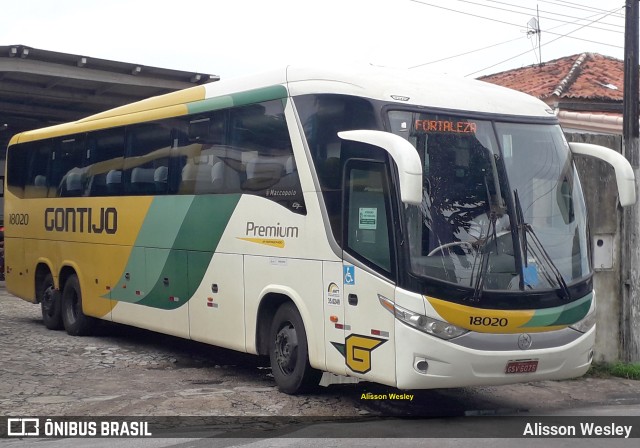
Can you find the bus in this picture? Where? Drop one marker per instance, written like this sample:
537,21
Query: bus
411,230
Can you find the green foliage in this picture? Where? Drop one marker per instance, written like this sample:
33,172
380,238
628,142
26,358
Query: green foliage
617,369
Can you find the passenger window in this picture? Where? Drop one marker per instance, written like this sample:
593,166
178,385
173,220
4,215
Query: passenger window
259,133
146,165
210,166
32,170
68,172
241,150
105,157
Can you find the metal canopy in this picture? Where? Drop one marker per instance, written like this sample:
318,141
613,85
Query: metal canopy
40,88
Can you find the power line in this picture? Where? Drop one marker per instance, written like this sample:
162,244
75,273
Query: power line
547,43
535,12
567,4
465,53
496,45
466,13
519,26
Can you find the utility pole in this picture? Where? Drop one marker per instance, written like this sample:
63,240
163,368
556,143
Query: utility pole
630,321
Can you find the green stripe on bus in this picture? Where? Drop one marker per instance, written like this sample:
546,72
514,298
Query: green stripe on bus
561,315
238,99
166,264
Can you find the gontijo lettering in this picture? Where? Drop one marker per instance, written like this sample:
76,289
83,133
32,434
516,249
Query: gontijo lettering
81,220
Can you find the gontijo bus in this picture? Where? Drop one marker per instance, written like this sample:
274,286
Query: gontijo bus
406,229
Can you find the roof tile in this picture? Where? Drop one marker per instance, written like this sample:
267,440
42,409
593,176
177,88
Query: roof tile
594,77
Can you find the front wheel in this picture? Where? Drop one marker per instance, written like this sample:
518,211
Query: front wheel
50,303
289,354
75,321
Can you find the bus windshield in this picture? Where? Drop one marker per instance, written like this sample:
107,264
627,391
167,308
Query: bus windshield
502,206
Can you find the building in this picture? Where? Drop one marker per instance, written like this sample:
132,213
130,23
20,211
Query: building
585,90
41,88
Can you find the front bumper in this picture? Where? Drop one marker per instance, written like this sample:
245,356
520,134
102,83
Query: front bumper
426,362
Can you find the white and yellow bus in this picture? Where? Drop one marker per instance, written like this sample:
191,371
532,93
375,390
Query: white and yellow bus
411,230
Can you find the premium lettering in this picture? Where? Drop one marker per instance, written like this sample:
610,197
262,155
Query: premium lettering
81,220
276,231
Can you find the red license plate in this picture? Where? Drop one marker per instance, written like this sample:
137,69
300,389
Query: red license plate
528,366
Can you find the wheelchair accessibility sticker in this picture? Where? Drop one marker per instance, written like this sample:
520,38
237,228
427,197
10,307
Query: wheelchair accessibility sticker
349,275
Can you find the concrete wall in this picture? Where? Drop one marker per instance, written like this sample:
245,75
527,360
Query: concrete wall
605,218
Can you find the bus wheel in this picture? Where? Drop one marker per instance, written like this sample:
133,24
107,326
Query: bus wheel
50,304
75,321
288,352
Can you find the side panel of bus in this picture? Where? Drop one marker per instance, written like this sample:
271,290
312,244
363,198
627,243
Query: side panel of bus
217,310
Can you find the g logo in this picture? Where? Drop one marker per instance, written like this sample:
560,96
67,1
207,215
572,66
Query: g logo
357,351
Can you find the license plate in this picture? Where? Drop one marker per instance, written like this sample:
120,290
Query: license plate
528,366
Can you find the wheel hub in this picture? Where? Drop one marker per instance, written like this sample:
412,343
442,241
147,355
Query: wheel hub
47,300
287,349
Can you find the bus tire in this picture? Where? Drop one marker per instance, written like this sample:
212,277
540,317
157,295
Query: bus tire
76,323
289,354
50,304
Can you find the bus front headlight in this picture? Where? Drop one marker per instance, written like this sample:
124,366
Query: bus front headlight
429,325
585,324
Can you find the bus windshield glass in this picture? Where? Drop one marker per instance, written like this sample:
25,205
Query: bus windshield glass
502,206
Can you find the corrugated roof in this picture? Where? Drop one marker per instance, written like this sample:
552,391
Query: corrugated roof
586,76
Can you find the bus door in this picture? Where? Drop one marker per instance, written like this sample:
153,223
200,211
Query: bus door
369,348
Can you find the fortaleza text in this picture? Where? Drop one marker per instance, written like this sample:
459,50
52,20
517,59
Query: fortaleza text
370,396
583,430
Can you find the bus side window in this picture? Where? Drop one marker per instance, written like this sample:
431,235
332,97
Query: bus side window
67,172
38,156
205,165
268,169
105,156
146,164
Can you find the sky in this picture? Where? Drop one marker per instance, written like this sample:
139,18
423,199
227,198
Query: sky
231,38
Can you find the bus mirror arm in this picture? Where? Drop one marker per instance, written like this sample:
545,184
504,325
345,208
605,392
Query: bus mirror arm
403,153
625,178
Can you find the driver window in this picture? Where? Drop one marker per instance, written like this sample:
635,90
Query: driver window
368,214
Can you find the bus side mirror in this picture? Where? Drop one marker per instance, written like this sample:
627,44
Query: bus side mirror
403,153
625,178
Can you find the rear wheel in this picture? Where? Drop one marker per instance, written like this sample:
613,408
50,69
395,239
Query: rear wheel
75,321
289,354
49,299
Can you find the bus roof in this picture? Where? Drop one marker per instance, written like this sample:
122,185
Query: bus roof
404,87
412,87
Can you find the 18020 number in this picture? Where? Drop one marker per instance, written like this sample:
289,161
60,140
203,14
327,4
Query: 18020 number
488,321
19,219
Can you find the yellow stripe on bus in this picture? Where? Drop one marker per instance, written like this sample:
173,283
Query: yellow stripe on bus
487,320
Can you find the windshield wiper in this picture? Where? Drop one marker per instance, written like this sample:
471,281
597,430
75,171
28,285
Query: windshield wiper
496,209
522,235
485,254
539,252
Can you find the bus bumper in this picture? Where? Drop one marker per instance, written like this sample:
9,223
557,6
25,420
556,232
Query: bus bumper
427,362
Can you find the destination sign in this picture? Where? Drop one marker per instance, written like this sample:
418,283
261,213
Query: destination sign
451,126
